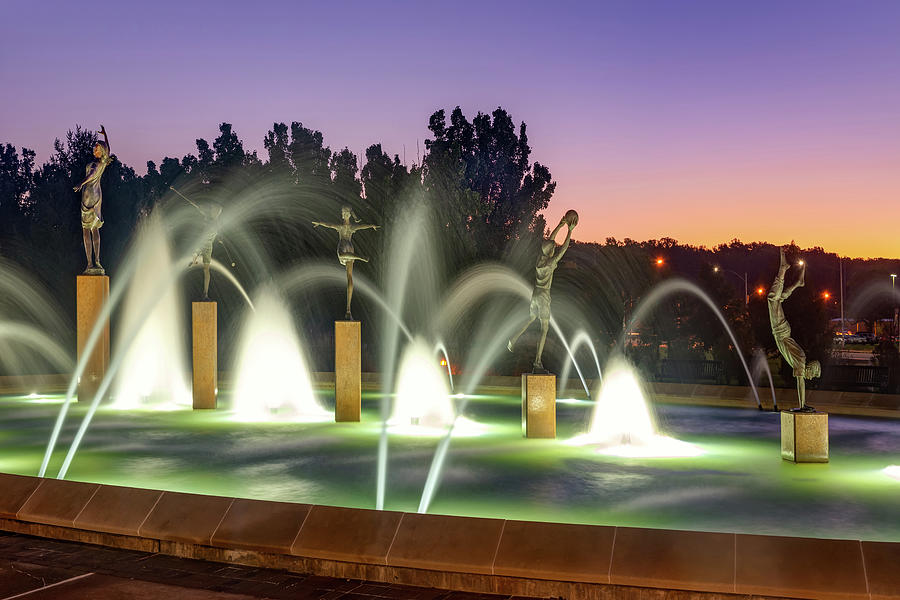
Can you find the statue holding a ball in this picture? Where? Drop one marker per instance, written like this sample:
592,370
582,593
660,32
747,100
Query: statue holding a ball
540,297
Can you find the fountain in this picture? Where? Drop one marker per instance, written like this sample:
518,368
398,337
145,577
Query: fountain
453,433
272,379
153,372
423,393
622,423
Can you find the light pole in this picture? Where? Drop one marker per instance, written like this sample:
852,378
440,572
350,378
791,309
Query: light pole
746,292
893,278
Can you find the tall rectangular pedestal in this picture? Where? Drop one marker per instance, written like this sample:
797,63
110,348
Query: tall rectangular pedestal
92,294
205,354
538,406
804,436
347,371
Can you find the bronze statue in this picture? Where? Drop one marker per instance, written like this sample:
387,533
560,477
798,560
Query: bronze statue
345,252
791,351
540,297
211,212
91,204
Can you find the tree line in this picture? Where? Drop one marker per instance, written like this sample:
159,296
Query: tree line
487,197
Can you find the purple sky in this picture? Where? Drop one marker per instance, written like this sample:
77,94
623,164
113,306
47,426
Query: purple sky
702,121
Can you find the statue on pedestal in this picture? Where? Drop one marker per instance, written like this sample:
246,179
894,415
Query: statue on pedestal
345,252
91,204
540,297
788,347
211,212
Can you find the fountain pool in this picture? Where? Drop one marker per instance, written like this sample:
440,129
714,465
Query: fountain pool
736,483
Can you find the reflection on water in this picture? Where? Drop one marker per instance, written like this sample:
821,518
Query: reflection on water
738,484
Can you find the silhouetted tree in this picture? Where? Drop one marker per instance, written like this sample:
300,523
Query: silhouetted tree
344,168
309,155
482,170
16,183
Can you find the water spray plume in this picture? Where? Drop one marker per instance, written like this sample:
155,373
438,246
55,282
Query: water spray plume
423,400
273,381
154,371
623,424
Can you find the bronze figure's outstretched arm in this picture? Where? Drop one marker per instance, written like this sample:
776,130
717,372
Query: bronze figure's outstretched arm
564,246
336,227
94,177
89,179
105,139
188,200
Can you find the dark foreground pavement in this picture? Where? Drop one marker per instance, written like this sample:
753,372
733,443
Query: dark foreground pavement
36,569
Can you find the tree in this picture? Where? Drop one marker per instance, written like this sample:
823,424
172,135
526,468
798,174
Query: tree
205,159
309,156
488,158
16,183
229,149
343,169
277,144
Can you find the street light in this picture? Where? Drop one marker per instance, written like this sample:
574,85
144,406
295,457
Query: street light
746,292
659,262
896,327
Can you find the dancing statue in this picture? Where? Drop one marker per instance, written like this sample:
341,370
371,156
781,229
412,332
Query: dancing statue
345,253
540,297
91,204
791,351
210,212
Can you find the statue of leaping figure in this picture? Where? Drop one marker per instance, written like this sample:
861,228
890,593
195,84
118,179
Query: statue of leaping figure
346,254
791,351
540,296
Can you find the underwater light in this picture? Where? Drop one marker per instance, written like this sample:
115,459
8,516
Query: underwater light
423,398
892,471
623,424
273,382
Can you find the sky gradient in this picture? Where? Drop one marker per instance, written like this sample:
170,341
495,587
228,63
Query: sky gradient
698,120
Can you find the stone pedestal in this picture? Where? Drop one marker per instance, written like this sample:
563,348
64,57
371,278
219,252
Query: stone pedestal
347,371
92,294
804,436
538,406
204,353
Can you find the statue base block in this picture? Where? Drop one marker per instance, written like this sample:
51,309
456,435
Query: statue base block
804,436
92,293
538,405
204,353
347,371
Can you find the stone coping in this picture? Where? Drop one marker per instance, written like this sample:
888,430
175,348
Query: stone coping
475,554
836,402
830,401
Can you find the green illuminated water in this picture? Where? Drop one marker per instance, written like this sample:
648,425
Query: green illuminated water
738,484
